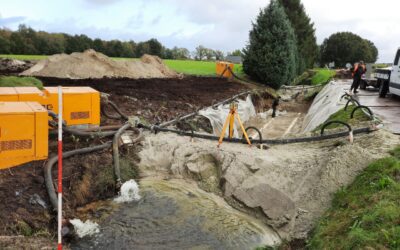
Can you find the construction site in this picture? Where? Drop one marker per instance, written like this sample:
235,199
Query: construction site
151,156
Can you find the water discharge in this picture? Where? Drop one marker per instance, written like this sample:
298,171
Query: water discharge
176,214
86,228
129,192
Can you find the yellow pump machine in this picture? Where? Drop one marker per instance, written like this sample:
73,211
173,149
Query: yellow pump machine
24,119
81,105
23,133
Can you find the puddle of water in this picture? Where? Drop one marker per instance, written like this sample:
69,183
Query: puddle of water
177,215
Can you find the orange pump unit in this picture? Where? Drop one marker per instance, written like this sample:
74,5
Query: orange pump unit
81,105
22,137
222,69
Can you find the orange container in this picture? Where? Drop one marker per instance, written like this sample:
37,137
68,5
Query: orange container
220,69
81,105
22,137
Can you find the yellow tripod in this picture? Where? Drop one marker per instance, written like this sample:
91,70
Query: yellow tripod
230,120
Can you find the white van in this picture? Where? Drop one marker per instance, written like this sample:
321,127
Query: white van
390,77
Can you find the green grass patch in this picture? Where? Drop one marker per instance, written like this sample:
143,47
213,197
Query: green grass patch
25,57
344,116
322,76
365,215
201,68
15,81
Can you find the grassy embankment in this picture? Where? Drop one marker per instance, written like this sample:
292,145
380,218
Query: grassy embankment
344,116
366,214
315,76
14,81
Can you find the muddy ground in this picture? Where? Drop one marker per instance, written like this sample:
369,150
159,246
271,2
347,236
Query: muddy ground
158,100
25,208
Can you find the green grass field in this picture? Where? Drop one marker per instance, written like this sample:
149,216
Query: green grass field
14,81
365,215
187,67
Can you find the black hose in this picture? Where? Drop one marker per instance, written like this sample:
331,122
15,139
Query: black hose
371,115
257,130
82,133
115,148
264,141
47,172
117,171
104,112
352,100
334,122
115,107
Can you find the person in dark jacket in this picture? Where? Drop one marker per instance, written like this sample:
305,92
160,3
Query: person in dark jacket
275,104
358,70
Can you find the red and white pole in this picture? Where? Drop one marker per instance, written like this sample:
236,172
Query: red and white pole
60,119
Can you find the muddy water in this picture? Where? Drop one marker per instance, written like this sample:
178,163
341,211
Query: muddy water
177,215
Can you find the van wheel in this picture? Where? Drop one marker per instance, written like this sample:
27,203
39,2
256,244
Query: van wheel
363,85
383,89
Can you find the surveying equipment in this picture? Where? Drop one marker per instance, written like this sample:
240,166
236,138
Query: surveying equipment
230,120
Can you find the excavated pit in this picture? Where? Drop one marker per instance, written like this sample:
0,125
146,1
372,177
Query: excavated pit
287,187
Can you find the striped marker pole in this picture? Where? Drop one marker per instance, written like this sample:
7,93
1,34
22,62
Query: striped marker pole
60,119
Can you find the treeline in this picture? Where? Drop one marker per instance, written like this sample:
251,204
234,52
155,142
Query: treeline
27,41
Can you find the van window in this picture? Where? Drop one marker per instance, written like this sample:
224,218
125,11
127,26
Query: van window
396,60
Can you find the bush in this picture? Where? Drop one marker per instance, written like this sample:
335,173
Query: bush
346,47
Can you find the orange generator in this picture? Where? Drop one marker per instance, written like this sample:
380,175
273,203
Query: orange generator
22,137
81,105
222,69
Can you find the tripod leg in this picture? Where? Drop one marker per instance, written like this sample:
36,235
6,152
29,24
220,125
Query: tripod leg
243,130
231,124
221,138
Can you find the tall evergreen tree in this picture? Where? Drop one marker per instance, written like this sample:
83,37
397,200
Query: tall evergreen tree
270,56
305,33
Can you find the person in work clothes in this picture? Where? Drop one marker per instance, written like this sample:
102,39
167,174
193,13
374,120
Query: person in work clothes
358,71
275,104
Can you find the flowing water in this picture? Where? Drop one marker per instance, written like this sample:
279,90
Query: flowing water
176,214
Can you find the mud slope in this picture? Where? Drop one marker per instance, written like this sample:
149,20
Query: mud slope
287,186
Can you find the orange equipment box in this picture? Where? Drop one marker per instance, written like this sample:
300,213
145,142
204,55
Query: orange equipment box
222,69
81,105
22,137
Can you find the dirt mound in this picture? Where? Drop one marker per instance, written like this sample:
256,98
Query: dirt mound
13,66
91,64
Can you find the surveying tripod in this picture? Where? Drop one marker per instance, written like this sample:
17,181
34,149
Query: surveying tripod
230,120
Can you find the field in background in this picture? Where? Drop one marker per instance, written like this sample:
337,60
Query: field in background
188,67
13,81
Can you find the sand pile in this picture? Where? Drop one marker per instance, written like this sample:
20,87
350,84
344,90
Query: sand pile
91,64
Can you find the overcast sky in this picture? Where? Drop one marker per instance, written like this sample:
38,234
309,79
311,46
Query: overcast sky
222,24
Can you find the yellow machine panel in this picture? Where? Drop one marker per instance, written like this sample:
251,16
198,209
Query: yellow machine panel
22,137
221,68
81,105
